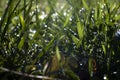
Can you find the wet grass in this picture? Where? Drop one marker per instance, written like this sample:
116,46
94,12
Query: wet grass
64,40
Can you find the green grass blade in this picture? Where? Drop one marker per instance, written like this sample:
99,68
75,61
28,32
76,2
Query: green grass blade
46,48
67,20
49,44
80,29
21,43
90,66
75,39
10,16
117,17
85,4
104,49
58,53
4,17
22,21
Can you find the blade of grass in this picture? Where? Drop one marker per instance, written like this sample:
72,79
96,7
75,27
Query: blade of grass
67,20
44,50
104,49
90,66
10,15
85,5
21,43
4,17
57,53
76,40
80,29
22,21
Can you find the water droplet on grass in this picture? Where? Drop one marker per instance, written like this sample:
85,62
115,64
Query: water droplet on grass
105,77
64,13
45,26
114,72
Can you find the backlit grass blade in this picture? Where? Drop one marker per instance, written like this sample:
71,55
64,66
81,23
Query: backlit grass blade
58,53
104,49
85,4
96,13
22,21
21,43
90,66
5,14
67,20
49,44
44,50
75,39
80,29
117,17
10,16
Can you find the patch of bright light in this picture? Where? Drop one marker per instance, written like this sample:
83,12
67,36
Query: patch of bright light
33,31
37,6
43,15
54,15
45,25
31,13
81,64
70,19
64,13
105,77
114,72
65,29
62,7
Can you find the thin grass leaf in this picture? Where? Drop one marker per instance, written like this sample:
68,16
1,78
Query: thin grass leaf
10,16
117,17
29,9
67,20
75,39
44,50
115,9
71,74
104,49
80,29
85,5
58,53
49,44
90,66
4,17
96,13
22,22
36,34
21,43
38,57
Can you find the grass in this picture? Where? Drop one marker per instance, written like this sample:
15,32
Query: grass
60,40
